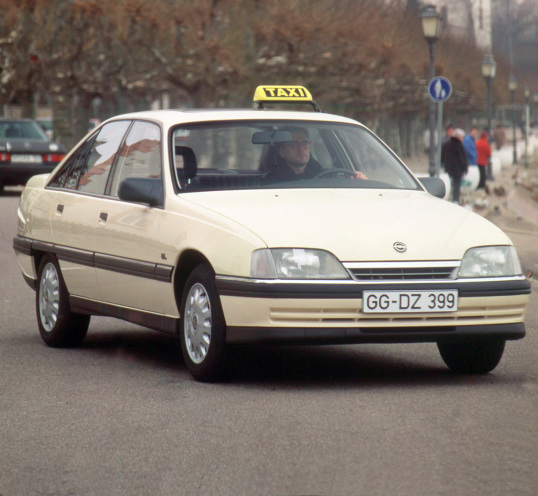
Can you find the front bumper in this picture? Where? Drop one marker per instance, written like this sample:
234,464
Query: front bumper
354,335
332,312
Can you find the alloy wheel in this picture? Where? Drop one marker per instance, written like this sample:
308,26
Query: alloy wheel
49,297
197,323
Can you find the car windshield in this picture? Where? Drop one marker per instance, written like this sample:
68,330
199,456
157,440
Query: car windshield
22,130
284,154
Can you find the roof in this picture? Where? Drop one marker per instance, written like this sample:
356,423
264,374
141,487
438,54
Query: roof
176,116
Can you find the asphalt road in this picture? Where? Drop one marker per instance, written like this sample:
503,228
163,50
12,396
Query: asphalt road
121,415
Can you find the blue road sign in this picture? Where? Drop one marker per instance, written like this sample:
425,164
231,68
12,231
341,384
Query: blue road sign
440,89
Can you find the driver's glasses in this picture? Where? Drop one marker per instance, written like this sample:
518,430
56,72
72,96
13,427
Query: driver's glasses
295,145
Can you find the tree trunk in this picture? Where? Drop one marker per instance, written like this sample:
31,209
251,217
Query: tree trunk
62,111
82,111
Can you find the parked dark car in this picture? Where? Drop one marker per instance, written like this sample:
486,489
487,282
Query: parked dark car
25,150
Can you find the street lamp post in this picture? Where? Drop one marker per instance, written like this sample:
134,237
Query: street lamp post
512,86
431,28
489,68
527,95
534,112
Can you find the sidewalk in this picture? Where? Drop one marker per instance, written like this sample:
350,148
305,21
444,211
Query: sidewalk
517,201
513,194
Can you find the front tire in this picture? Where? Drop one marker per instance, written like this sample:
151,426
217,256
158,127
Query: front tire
202,328
478,356
58,326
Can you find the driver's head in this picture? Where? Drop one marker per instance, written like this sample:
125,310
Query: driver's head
296,153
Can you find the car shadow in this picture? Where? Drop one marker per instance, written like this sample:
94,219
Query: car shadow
364,366
334,366
149,348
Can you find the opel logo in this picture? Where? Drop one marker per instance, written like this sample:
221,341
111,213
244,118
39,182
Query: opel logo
399,247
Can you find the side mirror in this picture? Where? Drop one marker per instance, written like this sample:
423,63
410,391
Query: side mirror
434,185
146,190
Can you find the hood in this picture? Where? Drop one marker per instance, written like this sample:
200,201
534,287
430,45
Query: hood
356,224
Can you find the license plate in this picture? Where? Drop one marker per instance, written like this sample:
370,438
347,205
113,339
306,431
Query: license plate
409,301
26,159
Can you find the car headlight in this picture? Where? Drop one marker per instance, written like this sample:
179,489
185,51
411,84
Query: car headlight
490,261
296,263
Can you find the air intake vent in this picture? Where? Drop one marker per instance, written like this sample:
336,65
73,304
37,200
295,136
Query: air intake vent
413,271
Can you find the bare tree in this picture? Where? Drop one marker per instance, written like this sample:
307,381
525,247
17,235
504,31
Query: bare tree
19,67
200,48
362,58
512,23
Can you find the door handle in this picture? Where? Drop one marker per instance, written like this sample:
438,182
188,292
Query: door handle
59,209
103,217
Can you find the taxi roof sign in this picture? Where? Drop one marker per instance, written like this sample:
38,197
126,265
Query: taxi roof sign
283,94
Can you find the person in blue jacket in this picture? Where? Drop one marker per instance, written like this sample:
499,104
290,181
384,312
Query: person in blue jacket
469,143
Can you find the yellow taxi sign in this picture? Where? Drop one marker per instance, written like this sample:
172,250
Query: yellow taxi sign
282,94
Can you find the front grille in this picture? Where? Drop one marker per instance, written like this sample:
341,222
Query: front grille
414,271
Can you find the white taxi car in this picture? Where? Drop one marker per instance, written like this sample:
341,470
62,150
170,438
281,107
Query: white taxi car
258,226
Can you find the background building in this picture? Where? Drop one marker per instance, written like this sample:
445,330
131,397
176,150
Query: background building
470,20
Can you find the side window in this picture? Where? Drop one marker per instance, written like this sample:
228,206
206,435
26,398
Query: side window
94,173
140,155
89,166
67,176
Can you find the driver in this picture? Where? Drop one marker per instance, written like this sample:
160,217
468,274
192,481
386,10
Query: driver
294,160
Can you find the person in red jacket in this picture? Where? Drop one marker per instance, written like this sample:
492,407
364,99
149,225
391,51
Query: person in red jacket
483,152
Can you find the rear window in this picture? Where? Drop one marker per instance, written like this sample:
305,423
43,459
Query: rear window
22,130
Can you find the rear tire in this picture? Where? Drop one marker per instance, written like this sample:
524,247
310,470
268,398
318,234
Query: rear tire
58,326
202,326
478,356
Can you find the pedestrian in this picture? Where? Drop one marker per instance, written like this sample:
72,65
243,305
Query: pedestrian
454,158
499,135
483,153
449,129
294,161
470,145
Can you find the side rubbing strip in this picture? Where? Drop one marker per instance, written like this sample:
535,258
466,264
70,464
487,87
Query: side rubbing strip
22,245
138,268
163,273
82,257
124,265
134,267
42,246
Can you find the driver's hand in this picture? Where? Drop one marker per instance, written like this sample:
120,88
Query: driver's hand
360,175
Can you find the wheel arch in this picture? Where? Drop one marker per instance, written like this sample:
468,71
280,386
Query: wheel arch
36,258
188,261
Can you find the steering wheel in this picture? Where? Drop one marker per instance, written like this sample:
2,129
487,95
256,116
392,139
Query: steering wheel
335,172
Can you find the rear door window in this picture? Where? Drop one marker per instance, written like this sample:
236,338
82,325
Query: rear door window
88,168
